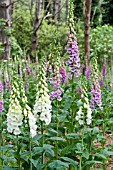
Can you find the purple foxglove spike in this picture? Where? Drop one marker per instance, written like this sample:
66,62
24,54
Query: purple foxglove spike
72,50
28,69
79,90
1,87
63,74
88,73
96,96
1,106
104,70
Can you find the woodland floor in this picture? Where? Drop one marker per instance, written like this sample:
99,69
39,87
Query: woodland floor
109,141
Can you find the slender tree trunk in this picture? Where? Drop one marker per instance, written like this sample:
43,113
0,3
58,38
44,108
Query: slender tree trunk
56,9
31,3
87,12
5,13
59,10
37,21
67,9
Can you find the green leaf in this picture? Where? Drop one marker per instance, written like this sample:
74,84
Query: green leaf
95,130
48,149
52,131
5,148
68,149
86,154
37,150
57,163
57,139
71,161
9,168
72,136
101,156
93,162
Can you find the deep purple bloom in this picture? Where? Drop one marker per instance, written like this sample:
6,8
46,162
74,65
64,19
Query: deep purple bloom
96,96
56,94
74,61
88,73
1,97
63,74
83,68
28,69
101,83
79,90
1,87
70,76
104,70
7,83
1,105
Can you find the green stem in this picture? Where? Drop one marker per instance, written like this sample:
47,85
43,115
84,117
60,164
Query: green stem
30,150
57,124
1,140
42,132
19,163
80,166
72,112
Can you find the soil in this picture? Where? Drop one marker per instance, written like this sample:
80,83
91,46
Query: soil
109,141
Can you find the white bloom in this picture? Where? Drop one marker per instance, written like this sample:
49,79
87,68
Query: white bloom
79,116
42,107
32,124
89,116
14,117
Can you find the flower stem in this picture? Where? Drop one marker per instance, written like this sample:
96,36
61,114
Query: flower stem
72,113
57,124
42,132
1,140
30,150
80,166
18,160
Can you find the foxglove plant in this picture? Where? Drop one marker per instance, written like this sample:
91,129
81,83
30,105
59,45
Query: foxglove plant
57,92
42,107
88,73
96,96
1,97
72,48
85,108
28,69
14,115
95,89
28,115
104,70
7,81
63,74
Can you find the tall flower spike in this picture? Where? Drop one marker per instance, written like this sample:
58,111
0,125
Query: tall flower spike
28,115
1,97
63,74
42,107
14,115
84,113
104,70
95,88
7,81
58,75
72,48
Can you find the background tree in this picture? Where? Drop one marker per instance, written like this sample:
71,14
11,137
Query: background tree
87,12
36,26
5,13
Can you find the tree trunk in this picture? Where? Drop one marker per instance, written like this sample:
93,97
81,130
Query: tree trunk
37,21
5,13
67,9
56,9
59,10
87,13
